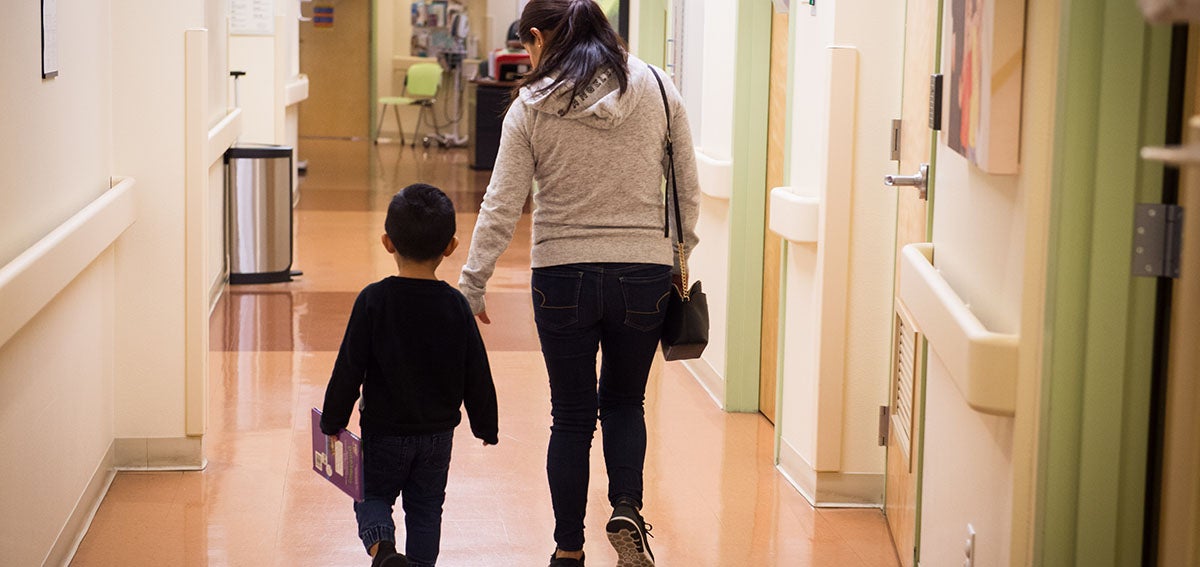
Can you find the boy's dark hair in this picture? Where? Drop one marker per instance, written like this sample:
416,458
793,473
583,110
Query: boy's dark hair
420,222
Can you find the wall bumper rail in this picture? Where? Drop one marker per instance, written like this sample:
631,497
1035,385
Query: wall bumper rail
33,279
795,216
296,90
982,363
716,175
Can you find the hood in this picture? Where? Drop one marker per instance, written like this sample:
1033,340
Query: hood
601,106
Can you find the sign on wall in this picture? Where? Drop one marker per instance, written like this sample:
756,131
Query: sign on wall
49,39
252,17
322,16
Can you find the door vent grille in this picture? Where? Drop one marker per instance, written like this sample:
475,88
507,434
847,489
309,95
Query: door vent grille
904,385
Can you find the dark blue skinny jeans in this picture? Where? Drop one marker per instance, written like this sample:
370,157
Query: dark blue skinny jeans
414,468
579,309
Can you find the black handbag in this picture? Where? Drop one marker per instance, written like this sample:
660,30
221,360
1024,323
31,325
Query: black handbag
685,330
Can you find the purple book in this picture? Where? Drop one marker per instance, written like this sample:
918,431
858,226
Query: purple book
341,462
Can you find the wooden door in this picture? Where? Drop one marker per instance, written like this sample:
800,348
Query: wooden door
337,60
1179,519
913,211
772,247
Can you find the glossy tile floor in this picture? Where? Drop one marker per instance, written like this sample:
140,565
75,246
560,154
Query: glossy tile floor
712,493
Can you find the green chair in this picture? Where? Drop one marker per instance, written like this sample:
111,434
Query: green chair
421,84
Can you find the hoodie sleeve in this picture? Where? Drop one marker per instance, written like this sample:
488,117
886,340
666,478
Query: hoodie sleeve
686,178
512,180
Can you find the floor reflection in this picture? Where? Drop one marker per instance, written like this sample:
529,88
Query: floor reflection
713,493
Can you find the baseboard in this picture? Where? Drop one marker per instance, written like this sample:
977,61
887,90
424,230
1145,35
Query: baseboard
159,454
709,379
217,289
80,520
829,489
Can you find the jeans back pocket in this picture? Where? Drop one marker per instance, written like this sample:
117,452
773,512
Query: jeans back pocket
556,297
646,300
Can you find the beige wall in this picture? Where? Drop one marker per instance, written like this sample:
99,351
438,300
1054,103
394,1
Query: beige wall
270,62
798,405
56,413
256,90
989,236
832,451
56,374
104,359
712,111
148,143
872,223
49,123
220,101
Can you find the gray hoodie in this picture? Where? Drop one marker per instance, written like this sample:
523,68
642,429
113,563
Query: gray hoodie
599,170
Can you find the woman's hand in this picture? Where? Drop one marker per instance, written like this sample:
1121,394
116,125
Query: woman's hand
483,318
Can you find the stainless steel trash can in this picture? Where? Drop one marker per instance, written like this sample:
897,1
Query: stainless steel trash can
258,181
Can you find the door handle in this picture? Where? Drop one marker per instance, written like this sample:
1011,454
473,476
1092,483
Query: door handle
920,180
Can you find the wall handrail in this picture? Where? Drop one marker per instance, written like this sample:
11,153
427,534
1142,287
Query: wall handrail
716,175
296,90
222,135
34,278
982,363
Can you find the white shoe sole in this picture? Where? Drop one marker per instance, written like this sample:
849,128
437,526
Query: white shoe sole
625,538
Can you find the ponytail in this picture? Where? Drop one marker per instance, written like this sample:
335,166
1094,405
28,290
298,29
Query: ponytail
580,42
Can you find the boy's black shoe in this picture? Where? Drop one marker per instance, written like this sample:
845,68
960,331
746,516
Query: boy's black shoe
556,561
386,556
628,533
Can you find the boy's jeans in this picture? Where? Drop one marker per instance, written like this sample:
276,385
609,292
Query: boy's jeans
414,466
579,308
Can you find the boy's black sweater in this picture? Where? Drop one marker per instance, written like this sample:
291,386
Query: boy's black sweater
414,348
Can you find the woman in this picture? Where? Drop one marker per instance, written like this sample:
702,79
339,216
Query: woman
589,125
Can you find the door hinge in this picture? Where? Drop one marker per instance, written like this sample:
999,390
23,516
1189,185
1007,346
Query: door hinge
883,426
1157,239
896,140
935,101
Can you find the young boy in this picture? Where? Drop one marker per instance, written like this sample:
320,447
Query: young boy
413,346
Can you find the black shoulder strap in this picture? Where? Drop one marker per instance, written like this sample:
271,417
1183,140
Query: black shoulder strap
673,194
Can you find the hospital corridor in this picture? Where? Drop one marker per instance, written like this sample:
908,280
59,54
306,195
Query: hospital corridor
947,256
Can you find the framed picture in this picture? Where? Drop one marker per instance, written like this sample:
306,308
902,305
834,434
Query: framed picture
984,49
437,15
49,39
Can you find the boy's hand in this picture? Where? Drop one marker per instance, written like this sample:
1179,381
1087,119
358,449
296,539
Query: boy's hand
483,318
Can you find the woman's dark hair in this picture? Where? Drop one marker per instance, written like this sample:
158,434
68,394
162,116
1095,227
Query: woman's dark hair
579,42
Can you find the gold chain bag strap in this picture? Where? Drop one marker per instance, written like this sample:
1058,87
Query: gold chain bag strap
685,329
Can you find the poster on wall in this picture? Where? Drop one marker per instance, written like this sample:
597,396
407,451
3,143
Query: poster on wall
984,49
252,17
49,39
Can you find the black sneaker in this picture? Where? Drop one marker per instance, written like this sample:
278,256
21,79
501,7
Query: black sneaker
628,533
556,561
387,556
